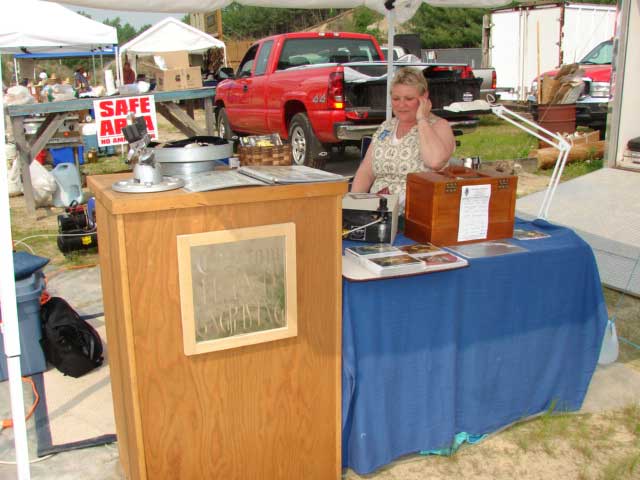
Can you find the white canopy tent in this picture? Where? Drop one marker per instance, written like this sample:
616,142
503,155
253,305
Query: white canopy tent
170,35
31,26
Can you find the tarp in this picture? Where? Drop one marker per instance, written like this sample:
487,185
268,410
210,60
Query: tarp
34,26
171,35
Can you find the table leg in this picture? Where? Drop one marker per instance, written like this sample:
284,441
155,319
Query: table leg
46,131
24,155
179,119
208,116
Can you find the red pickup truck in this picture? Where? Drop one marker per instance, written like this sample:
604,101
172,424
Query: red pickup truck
320,90
592,105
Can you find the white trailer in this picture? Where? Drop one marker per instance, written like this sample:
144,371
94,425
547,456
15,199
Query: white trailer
526,40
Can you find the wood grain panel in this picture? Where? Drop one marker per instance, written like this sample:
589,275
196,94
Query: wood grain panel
267,411
116,307
121,203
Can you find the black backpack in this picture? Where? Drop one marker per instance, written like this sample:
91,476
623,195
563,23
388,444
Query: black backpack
69,343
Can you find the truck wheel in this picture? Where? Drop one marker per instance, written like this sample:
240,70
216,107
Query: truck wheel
305,147
223,125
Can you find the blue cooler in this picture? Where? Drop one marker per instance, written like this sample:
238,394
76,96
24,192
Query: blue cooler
32,359
65,155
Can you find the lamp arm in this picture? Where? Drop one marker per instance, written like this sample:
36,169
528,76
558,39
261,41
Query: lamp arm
536,130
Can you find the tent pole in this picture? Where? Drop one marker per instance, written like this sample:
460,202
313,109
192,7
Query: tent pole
391,20
118,68
15,70
10,324
93,62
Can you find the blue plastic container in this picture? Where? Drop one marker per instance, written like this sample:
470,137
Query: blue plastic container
65,155
32,358
90,141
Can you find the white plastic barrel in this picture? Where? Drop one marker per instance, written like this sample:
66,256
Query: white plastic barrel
69,185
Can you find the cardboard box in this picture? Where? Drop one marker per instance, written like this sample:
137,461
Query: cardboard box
175,59
432,211
178,78
178,75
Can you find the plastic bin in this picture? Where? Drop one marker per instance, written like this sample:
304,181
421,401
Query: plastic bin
65,155
90,141
32,358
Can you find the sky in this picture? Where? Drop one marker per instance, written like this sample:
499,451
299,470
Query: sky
136,19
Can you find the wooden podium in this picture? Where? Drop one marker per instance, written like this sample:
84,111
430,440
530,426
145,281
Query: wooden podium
269,410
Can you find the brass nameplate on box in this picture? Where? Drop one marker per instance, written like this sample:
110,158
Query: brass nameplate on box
433,204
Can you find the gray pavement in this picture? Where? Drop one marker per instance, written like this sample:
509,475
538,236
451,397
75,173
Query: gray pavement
604,208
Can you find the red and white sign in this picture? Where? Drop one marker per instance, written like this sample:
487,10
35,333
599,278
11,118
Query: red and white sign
111,117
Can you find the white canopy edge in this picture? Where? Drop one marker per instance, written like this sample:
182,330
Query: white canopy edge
34,26
170,35
404,9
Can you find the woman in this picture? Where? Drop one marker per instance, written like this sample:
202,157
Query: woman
414,140
128,74
81,82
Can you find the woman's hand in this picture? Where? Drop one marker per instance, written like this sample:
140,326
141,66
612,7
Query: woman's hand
424,108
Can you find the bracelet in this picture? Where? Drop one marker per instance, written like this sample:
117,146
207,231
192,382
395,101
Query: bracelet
429,120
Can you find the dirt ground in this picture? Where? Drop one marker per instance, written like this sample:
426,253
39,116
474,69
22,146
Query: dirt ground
576,447
581,446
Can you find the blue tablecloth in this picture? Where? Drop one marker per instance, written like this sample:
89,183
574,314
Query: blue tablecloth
468,350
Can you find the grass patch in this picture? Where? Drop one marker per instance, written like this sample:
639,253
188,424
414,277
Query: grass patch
496,139
576,169
625,467
42,242
111,164
542,431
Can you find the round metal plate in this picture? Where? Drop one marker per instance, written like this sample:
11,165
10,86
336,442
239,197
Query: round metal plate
196,151
131,186
187,168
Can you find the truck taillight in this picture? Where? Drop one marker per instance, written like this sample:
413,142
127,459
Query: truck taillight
493,80
335,94
466,72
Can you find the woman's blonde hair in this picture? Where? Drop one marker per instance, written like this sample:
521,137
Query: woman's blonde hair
412,77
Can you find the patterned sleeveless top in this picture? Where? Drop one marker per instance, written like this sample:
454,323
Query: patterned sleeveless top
394,159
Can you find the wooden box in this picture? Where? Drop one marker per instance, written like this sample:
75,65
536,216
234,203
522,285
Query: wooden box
433,204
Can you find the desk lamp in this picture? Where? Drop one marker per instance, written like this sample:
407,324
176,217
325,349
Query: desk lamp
532,128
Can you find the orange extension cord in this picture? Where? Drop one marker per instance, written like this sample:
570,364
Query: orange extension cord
7,422
44,298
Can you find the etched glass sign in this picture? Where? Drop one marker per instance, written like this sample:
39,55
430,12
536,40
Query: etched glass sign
237,287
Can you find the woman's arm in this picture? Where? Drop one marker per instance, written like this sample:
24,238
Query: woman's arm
364,175
437,143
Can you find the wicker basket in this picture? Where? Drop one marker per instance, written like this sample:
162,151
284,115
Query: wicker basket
276,155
